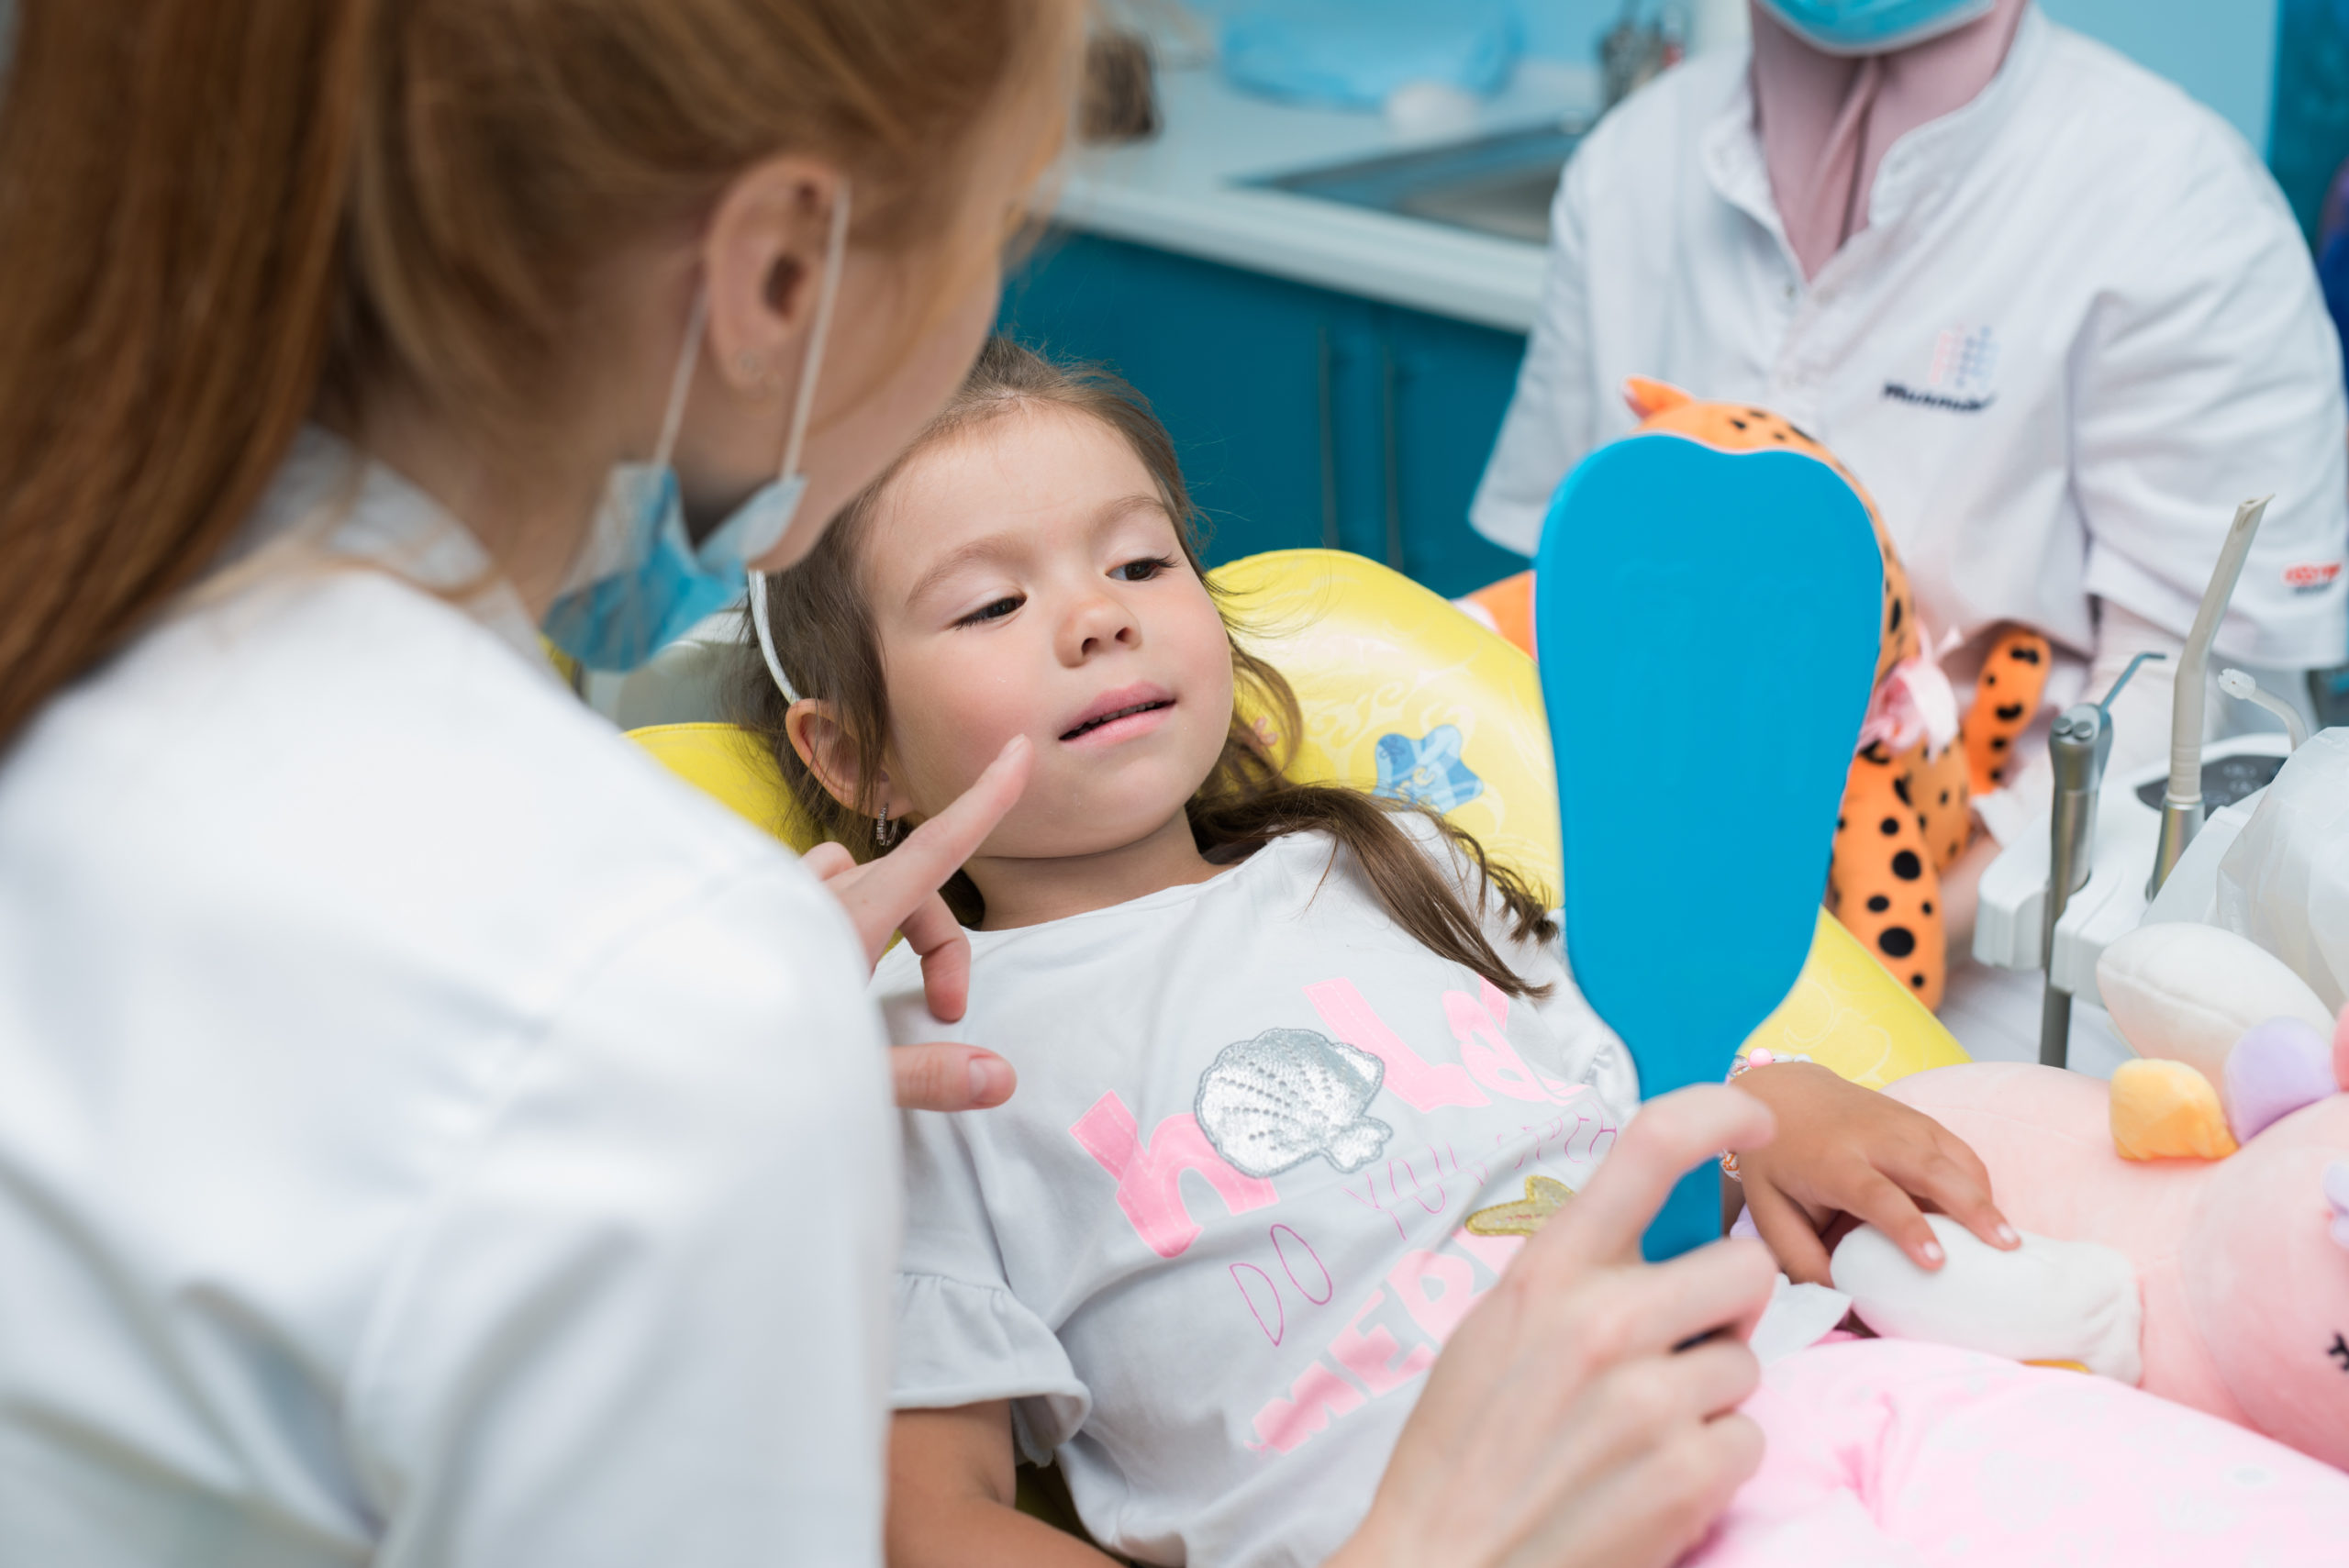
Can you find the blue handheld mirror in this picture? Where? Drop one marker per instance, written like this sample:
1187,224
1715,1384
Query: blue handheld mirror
1709,624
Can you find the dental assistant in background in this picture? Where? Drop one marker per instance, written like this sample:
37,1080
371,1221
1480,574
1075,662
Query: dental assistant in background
2053,314
430,1133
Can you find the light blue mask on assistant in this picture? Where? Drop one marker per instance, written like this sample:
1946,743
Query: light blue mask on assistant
642,582
1873,26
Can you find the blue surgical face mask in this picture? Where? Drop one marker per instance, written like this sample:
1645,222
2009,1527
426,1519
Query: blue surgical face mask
641,582
1873,26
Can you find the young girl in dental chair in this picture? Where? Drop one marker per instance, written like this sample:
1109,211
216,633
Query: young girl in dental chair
1299,1067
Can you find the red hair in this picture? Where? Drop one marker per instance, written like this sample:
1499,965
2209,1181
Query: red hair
217,216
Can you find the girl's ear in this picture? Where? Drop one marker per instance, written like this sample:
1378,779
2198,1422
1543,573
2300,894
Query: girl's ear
830,753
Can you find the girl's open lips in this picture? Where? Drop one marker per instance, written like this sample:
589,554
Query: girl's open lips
1121,714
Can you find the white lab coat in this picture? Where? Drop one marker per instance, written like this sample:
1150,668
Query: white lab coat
428,1133
2079,326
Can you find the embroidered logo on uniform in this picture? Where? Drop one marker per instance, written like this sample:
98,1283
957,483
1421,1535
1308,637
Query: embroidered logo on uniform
1959,377
2311,577
1273,1102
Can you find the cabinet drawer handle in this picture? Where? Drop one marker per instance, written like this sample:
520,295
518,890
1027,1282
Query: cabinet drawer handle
1325,367
1391,454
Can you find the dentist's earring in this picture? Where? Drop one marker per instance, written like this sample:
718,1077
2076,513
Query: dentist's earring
752,367
885,832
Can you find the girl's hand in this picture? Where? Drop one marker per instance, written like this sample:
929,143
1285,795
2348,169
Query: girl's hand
1842,1151
899,893
1565,1424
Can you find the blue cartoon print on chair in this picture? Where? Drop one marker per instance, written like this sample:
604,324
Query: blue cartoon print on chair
1426,771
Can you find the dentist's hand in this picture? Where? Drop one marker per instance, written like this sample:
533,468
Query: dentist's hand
899,893
1565,1425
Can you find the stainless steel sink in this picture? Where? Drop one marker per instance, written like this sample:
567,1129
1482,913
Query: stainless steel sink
1497,185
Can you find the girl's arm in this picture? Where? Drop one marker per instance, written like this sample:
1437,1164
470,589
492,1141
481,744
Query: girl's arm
1842,1151
950,1491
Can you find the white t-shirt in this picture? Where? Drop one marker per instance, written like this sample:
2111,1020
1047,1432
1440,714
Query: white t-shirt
1210,1247
429,1134
2080,326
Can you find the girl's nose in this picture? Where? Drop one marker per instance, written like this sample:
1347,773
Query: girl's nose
1095,625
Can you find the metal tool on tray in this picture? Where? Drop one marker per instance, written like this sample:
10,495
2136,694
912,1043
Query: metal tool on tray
2079,745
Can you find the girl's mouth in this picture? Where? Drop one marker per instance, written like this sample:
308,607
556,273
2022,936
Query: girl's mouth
1130,716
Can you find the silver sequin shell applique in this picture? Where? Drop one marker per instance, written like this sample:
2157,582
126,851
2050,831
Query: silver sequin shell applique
1272,1103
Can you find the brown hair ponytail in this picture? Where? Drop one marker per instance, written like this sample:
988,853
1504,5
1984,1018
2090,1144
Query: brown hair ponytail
824,635
221,218
172,182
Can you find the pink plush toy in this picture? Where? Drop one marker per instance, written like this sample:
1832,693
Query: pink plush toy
2240,1261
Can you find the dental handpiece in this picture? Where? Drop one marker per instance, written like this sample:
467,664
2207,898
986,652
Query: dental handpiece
2078,744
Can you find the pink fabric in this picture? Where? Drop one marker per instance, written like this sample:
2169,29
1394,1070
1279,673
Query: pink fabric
1887,1451
1825,119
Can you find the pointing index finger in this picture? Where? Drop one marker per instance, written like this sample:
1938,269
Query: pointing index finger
893,887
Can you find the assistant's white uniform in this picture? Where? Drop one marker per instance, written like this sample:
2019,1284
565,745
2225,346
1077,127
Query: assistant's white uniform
429,1134
2079,326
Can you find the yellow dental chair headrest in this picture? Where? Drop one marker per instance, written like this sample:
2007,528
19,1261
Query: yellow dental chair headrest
727,763
1406,696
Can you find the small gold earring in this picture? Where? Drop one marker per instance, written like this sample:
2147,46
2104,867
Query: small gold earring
752,367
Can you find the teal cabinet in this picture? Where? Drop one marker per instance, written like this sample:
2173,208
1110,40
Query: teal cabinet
1303,416
1452,382
2308,137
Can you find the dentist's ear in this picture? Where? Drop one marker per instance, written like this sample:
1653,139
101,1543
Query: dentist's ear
764,258
816,734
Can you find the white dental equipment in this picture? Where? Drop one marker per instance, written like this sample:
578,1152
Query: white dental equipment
2108,833
2182,803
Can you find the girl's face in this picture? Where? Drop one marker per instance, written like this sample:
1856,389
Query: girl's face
1025,579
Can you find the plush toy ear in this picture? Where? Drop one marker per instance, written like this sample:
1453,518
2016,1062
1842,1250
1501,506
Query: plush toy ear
2275,1069
1649,398
2336,1194
2341,1049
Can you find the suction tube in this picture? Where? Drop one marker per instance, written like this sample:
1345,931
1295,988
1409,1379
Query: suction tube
2242,688
2182,801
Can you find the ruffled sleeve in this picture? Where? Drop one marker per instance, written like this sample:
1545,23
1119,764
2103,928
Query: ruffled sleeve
964,1337
964,1344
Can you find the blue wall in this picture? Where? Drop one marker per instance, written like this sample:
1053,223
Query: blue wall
2223,52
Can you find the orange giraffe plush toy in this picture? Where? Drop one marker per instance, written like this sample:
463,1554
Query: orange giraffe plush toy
1908,807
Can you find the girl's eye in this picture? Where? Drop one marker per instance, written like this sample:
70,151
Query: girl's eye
995,611
1142,571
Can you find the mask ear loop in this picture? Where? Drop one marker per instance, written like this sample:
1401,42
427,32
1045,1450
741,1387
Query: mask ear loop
609,535
826,291
766,637
673,418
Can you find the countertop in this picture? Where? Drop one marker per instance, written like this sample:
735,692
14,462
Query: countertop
1185,191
